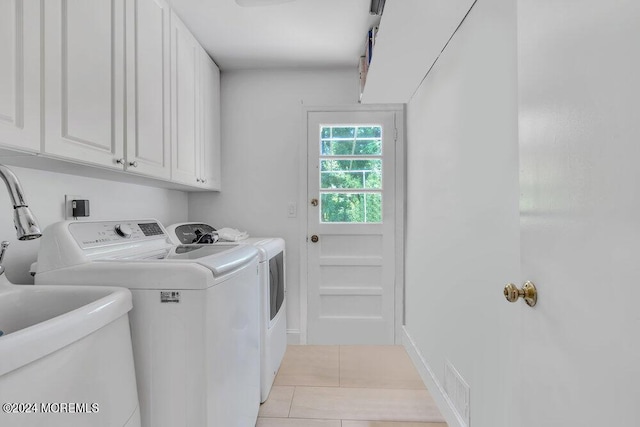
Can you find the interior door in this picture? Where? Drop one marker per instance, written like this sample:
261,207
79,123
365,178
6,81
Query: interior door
579,130
350,224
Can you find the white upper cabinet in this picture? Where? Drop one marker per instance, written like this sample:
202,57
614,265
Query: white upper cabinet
119,84
185,105
210,126
148,149
195,111
84,80
20,28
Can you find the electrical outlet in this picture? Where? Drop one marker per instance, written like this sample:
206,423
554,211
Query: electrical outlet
68,198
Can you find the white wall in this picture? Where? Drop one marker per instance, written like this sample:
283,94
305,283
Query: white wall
109,200
262,129
462,241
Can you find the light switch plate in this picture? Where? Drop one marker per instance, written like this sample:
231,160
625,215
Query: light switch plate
292,209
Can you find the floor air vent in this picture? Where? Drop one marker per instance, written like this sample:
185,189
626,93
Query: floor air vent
458,392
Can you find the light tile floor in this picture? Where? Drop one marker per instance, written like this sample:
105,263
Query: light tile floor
348,386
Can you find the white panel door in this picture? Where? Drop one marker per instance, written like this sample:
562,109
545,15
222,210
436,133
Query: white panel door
579,86
210,123
84,80
185,108
148,88
20,29
351,223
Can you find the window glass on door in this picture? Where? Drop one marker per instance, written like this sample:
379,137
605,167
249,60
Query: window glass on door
350,165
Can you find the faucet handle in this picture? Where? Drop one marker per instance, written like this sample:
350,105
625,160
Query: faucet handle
3,249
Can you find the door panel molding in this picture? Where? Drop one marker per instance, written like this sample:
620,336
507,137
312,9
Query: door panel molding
148,98
108,143
20,72
16,64
84,81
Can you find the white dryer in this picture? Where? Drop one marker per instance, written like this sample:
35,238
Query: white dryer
194,323
273,316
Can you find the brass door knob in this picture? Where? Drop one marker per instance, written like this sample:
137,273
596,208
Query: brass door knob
528,293
314,238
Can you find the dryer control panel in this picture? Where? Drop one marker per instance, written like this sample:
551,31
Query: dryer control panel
103,233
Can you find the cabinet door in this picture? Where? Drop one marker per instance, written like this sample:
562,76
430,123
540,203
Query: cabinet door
148,88
84,80
210,92
20,27
185,155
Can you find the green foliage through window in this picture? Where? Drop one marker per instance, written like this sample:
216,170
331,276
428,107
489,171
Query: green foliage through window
351,207
354,174
351,160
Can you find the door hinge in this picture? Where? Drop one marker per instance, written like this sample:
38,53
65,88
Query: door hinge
395,134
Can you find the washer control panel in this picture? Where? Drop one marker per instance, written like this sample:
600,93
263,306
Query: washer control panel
103,233
123,230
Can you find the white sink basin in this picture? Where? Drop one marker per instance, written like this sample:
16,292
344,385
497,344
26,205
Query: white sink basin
68,344
25,306
36,320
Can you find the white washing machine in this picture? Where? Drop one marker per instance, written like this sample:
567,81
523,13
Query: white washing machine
273,315
194,323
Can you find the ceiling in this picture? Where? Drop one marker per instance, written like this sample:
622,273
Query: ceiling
300,33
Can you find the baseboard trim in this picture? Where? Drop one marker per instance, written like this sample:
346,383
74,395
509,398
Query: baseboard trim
293,336
431,382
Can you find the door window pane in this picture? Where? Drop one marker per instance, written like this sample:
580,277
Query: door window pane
343,132
350,141
354,174
351,207
368,146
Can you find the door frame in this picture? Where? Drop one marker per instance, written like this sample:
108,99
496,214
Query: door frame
400,200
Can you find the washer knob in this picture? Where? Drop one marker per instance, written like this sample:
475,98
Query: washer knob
123,230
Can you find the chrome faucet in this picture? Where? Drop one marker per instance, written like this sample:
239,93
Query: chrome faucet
26,224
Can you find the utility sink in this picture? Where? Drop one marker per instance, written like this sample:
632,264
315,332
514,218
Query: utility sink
24,306
36,320
66,344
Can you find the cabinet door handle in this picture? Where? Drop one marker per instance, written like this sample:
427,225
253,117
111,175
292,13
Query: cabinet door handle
204,181
134,164
120,161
